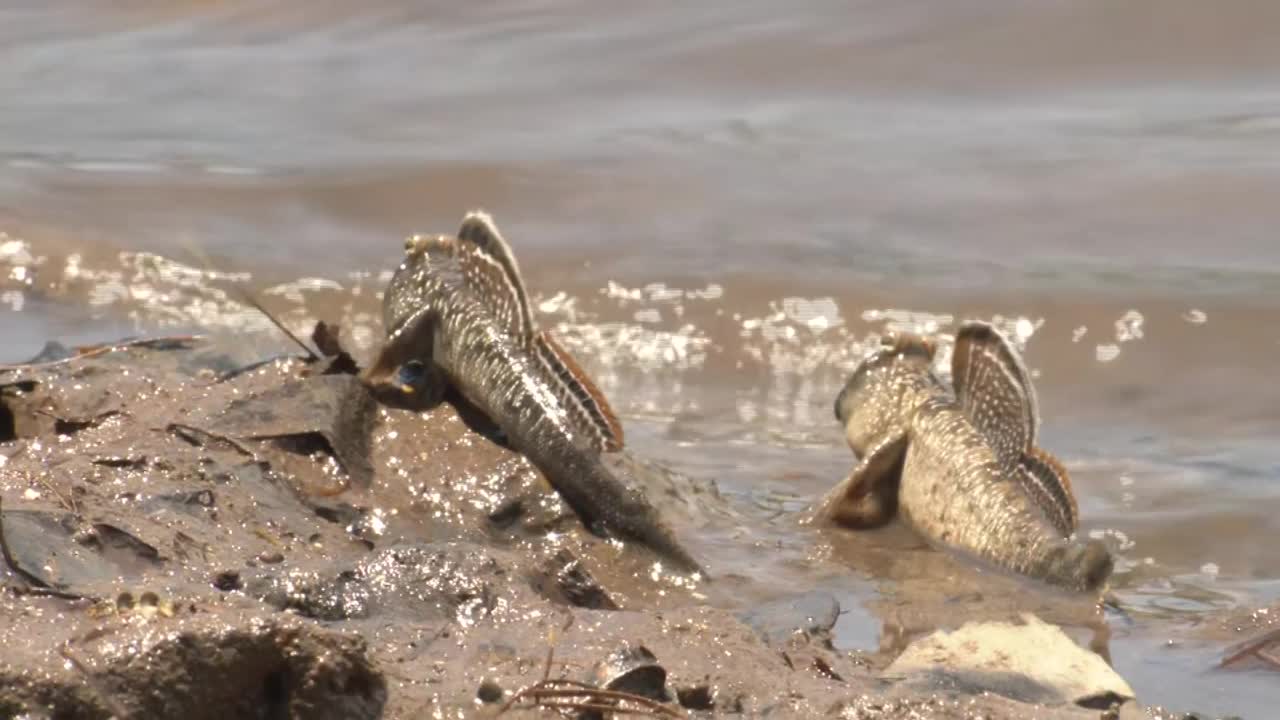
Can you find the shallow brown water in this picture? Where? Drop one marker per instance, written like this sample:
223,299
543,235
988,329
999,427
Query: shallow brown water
717,205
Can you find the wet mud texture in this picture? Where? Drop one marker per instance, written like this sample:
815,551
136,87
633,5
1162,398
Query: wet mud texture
189,538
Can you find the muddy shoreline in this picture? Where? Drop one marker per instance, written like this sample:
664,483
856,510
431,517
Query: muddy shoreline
200,534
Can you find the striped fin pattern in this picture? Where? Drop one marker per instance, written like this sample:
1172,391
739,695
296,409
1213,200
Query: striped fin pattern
489,267
993,389
589,411
1047,483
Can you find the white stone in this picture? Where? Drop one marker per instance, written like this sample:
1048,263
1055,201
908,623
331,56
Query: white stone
1035,662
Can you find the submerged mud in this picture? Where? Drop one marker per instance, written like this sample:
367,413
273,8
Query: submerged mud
189,538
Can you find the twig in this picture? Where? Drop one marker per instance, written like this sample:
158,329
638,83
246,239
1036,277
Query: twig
69,505
44,592
30,577
565,694
551,646
585,697
249,299
1255,646
94,351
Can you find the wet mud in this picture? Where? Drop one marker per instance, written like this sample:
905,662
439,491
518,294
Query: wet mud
191,533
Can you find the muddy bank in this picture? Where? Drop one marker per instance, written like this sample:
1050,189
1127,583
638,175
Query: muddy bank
191,535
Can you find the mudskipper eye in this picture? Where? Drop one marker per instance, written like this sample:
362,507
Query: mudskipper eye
412,373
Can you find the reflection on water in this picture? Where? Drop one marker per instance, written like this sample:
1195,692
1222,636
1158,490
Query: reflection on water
719,207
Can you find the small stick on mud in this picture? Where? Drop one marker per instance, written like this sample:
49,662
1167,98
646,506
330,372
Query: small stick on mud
68,505
249,299
43,592
43,587
1257,647
96,350
562,694
580,696
551,646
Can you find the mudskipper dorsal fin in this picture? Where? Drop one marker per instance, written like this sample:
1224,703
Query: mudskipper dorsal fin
868,498
1046,483
993,389
589,411
489,267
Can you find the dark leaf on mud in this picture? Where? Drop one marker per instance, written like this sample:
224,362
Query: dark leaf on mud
123,546
42,545
325,336
334,407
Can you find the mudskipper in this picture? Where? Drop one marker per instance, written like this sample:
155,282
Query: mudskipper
961,466
457,314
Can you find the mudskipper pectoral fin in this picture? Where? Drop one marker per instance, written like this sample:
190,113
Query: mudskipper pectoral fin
993,389
1046,483
867,498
